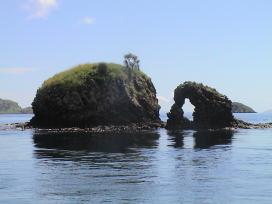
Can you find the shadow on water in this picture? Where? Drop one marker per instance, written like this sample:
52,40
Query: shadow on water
95,142
202,139
207,139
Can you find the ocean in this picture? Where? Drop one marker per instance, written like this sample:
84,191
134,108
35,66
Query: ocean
153,167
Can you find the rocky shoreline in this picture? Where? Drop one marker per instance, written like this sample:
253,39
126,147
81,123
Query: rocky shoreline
97,129
237,124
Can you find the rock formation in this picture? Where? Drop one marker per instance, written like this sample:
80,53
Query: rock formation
96,94
212,109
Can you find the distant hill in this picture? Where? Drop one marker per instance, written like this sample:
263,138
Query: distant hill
27,110
268,111
11,107
241,108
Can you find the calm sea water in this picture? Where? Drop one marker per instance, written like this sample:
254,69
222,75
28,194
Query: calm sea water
152,167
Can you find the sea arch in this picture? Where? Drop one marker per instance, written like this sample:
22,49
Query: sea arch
212,109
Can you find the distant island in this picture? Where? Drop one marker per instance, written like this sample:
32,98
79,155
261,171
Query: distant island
12,107
241,108
268,111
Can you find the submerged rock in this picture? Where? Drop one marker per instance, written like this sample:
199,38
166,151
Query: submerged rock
212,109
96,94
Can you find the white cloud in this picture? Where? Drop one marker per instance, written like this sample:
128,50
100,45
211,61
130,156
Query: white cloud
15,70
87,20
40,8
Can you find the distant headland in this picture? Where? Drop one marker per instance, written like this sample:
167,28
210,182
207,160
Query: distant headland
12,107
241,108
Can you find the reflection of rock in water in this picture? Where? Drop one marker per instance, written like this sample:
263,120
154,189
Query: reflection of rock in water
99,142
176,137
206,139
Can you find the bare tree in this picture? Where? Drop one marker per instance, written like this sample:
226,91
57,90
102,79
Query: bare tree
131,61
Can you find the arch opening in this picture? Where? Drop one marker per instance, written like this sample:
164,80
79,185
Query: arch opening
188,109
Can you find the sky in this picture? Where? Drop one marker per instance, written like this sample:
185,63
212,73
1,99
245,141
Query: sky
224,44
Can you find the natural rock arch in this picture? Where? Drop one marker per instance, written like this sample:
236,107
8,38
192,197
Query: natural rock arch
212,109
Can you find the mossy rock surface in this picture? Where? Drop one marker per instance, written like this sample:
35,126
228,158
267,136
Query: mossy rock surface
95,94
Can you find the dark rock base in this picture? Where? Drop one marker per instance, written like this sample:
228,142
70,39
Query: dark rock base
96,129
237,124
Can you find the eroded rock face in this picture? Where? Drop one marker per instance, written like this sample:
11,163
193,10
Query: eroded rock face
212,109
96,94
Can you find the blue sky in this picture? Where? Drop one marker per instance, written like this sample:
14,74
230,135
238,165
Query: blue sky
224,44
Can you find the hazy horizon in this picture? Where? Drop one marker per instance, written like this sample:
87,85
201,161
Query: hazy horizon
225,45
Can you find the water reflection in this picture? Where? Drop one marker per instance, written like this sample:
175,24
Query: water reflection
207,139
176,137
202,139
98,142
84,166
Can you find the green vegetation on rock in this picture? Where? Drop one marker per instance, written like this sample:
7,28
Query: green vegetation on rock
96,94
78,75
241,108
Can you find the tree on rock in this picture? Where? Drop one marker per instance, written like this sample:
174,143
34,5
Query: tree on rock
131,61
